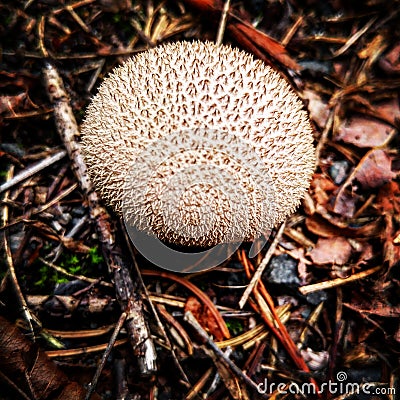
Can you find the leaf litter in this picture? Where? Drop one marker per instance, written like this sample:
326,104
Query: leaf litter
343,245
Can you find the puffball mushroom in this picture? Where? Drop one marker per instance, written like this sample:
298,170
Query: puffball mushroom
198,144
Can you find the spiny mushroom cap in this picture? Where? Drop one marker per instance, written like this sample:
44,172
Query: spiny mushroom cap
198,144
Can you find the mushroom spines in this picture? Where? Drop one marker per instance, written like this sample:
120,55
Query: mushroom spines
186,106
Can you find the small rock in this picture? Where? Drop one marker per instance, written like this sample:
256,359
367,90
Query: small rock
283,271
338,171
315,298
12,149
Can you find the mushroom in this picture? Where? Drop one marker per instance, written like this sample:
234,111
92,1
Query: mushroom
198,144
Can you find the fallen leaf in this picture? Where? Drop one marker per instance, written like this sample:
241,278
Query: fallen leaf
365,132
320,226
390,62
321,188
373,170
389,111
204,316
345,203
375,307
31,370
367,254
75,245
388,199
262,45
334,250
12,104
44,229
358,354
318,108
391,251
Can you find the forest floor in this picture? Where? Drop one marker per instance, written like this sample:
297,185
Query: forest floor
325,312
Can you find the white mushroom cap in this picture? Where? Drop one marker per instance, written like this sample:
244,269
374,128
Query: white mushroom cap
177,134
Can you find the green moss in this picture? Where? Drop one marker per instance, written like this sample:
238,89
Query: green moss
75,264
235,326
49,276
94,256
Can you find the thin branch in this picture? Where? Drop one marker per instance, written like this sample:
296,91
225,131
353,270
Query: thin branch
93,383
189,318
261,267
29,317
222,23
40,209
315,287
32,170
126,290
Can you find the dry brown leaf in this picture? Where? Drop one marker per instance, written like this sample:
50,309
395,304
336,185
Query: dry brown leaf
262,45
391,251
388,111
345,203
320,226
334,250
31,370
44,229
322,188
376,307
388,199
204,316
367,253
364,132
75,245
374,170
13,104
388,203
359,354
318,108
390,63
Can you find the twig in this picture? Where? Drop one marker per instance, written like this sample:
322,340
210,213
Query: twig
324,136
315,287
261,267
274,322
127,296
83,350
92,385
73,56
77,18
209,342
66,273
199,293
235,387
32,170
222,23
289,35
195,390
29,317
156,316
353,39
310,322
41,28
73,6
75,229
40,209
13,385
